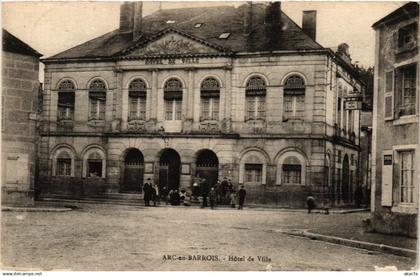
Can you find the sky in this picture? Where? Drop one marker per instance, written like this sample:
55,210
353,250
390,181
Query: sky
52,27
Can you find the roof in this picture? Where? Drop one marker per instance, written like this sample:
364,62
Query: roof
14,45
409,10
215,21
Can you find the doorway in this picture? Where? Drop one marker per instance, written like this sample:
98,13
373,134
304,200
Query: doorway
133,171
169,169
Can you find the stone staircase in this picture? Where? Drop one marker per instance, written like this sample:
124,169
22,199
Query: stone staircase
108,198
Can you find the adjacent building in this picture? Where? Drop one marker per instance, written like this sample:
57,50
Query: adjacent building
237,92
20,95
395,178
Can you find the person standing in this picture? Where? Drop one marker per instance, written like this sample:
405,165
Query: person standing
358,196
310,203
213,197
155,194
204,192
232,197
164,194
147,187
242,195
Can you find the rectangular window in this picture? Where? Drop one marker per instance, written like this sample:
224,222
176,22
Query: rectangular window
339,113
291,174
173,109
405,90
351,121
253,173
63,167
97,105
65,105
338,156
294,106
255,107
137,108
407,37
209,108
406,176
94,168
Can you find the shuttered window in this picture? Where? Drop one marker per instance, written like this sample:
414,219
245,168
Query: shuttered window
389,96
137,98
255,95
210,95
97,100
173,100
294,98
66,94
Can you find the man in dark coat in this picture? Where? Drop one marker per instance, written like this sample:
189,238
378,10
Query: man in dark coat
213,197
204,192
310,202
147,189
241,194
358,196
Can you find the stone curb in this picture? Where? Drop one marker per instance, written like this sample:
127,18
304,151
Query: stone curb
354,243
35,209
316,211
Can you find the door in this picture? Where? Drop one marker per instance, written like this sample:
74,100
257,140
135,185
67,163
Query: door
133,172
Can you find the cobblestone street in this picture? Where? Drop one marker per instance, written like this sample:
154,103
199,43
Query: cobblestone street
108,237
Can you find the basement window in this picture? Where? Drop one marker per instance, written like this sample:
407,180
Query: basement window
170,22
198,25
224,35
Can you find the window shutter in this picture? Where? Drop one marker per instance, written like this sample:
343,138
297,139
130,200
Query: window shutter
387,178
389,96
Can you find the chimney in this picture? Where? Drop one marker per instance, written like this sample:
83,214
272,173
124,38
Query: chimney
309,23
248,18
131,18
126,17
273,13
273,25
137,19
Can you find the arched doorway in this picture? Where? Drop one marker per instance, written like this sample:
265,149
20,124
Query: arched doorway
133,171
345,189
207,166
169,169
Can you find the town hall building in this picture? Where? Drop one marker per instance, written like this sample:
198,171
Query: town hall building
237,92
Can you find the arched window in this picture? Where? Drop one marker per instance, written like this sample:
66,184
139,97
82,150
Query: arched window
252,168
294,98
137,96
66,92
97,100
255,92
291,171
210,95
173,99
63,162
94,163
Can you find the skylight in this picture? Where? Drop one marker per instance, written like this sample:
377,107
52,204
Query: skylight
198,25
170,22
224,35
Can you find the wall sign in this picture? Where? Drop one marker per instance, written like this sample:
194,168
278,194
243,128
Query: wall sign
185,168
171,61
388,159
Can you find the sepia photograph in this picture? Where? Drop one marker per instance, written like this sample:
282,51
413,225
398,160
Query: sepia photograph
209,136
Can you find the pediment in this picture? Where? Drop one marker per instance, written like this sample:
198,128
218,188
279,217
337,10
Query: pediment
173,44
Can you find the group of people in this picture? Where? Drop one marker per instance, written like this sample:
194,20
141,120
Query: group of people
223,192
151,193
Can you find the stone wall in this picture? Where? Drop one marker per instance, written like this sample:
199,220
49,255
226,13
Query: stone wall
20,88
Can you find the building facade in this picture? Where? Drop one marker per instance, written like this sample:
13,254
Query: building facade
395,154
188,93
20,96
